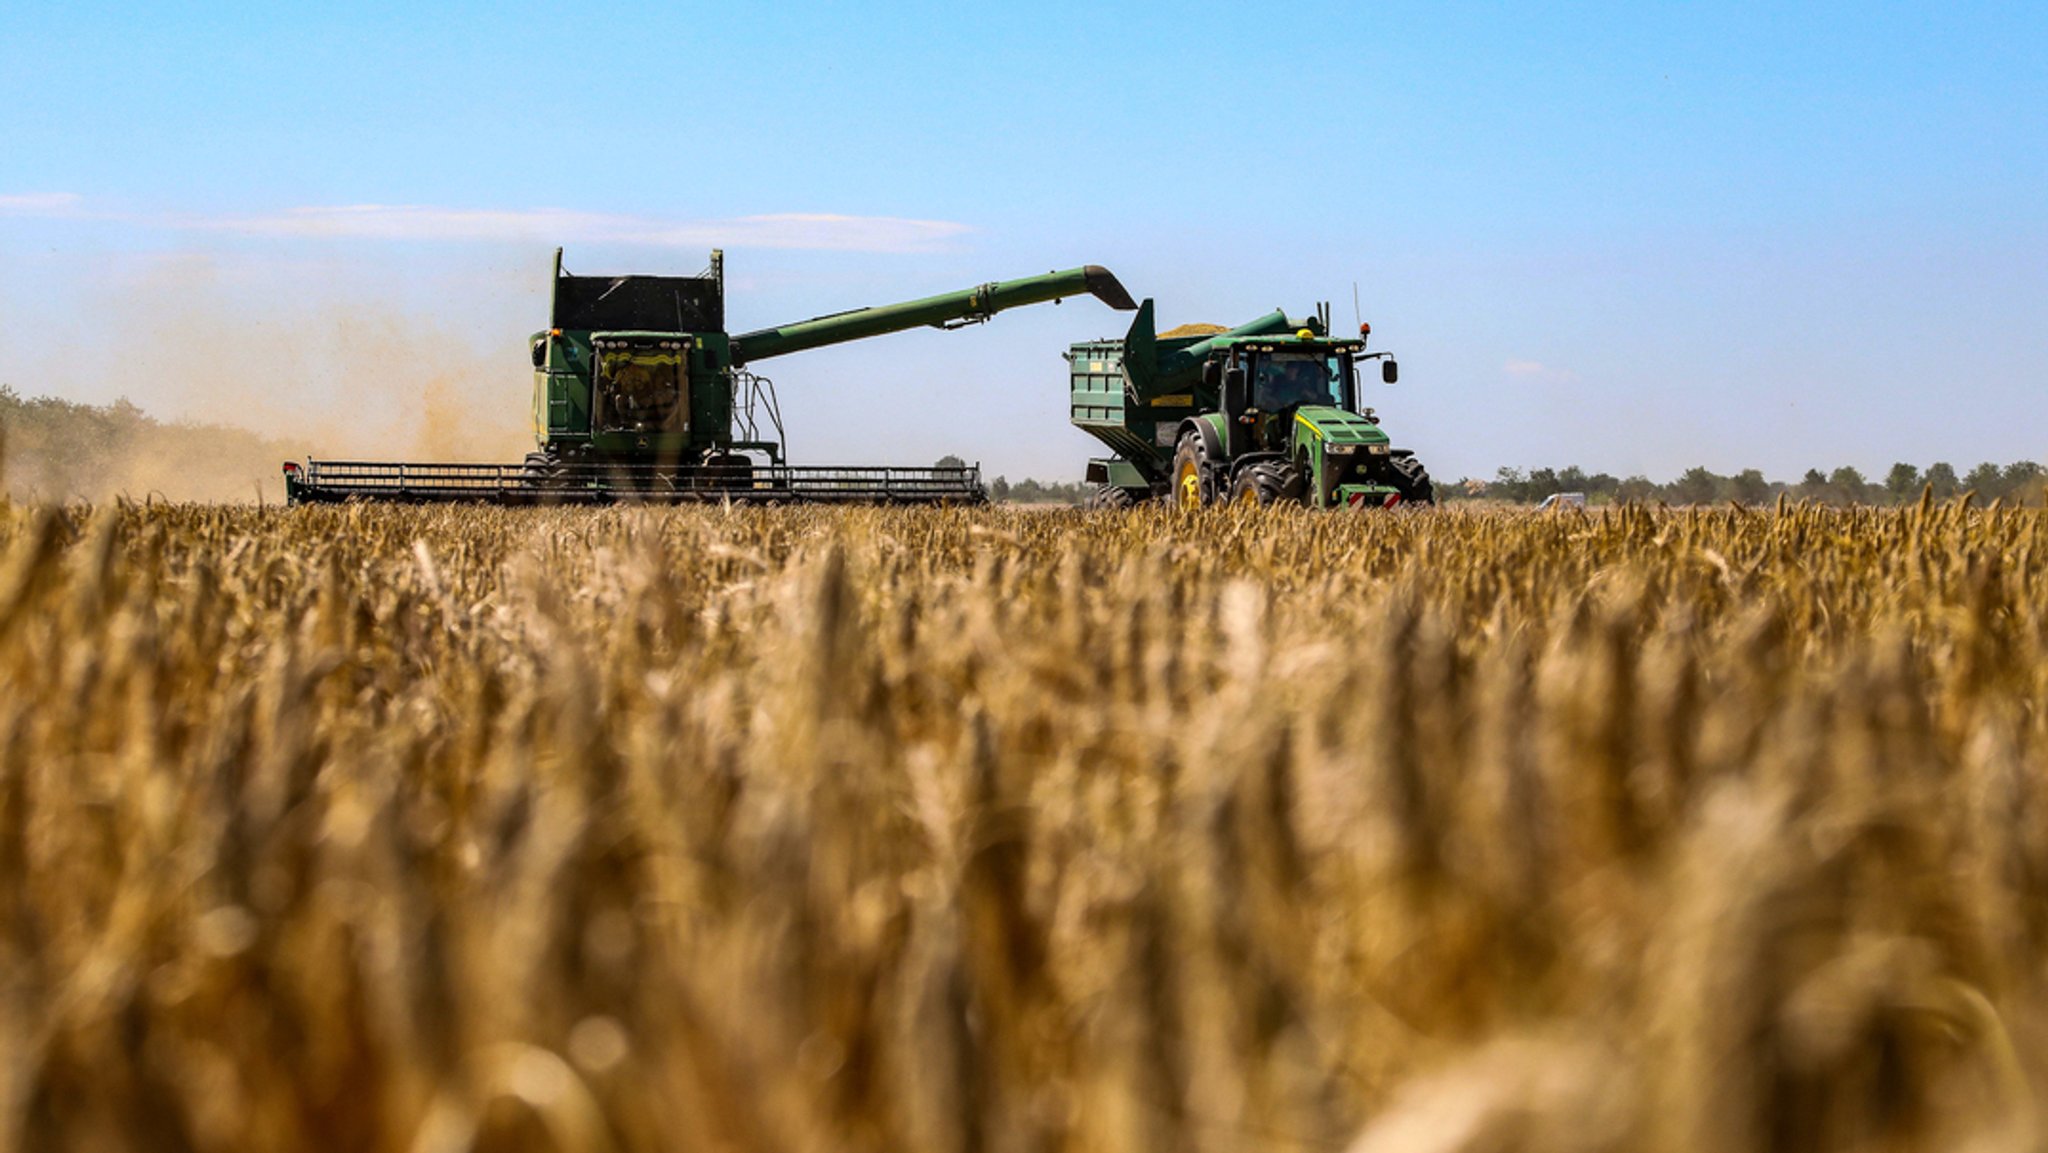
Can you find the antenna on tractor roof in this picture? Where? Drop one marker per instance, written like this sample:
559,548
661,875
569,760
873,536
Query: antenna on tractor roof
1357,314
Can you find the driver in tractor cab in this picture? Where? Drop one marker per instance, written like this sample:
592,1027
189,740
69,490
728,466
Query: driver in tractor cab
1284,384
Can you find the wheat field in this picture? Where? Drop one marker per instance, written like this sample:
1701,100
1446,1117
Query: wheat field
947,831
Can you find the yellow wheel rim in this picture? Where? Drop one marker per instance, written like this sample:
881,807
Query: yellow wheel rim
1190,487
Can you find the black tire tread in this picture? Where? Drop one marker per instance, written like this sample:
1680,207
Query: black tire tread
1268,482
1413,481
1108,497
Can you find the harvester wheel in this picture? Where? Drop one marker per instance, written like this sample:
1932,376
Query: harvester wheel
1192,486
729,471
1110,496
1413,481
542,471
1267,483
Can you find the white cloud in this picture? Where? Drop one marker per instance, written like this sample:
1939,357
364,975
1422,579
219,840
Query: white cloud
41,204
557,225
1537,370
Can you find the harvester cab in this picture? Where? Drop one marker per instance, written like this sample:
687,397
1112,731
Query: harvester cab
631,373
1268,412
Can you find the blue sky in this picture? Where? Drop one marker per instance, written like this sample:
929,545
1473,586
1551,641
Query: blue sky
1635,237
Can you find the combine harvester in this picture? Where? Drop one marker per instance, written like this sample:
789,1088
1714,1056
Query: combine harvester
1267,412
640,395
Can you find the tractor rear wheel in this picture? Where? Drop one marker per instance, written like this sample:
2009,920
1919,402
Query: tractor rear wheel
1192,486
1267,483
1110,496
1413,481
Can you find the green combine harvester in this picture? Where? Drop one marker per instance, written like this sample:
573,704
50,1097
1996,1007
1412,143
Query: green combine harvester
641,395
1267,412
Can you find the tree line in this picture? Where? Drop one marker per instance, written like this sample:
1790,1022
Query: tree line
52,449
1003,490
2022,481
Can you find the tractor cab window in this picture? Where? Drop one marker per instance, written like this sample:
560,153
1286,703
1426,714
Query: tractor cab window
1284,380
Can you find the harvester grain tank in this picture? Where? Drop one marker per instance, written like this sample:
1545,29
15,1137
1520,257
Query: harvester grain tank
641,394
1267,412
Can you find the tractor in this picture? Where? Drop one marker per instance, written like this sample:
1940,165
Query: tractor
1264,413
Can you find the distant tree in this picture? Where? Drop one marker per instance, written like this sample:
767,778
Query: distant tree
1813,486
1637,487
1696,485
1988,481
1602,484
1849,486
1509,484
949,461
2023,481
1903,481
1749,487
1571,478
1030,491
999,489
1941,476
1542,482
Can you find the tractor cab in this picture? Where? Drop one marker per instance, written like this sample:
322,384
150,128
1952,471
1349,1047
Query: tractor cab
1277,382
1270,385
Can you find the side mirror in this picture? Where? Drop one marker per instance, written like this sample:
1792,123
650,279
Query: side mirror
1237,391
1212,373
540,352
1389,371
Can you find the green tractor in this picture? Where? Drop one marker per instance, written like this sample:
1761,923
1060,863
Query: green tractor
1264,413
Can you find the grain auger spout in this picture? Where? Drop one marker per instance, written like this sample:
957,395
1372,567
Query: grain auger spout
640,394
950,310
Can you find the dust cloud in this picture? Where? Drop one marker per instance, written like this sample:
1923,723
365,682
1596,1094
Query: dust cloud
226,371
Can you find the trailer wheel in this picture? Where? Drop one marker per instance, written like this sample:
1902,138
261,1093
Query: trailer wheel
1192,485
1110,497
1413,481
1267,483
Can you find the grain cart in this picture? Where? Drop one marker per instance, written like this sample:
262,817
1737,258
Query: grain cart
1267,412
640,394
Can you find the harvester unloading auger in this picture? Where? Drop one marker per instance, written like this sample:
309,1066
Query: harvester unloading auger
640,394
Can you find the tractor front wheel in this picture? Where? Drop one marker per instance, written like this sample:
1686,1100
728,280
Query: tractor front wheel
1267,483
1413,481
1192,487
